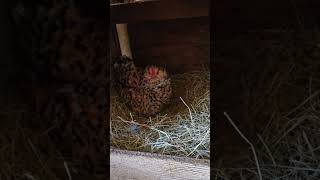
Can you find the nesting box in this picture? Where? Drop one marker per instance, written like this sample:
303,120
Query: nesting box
173,34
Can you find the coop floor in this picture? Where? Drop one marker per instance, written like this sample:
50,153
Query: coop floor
164,132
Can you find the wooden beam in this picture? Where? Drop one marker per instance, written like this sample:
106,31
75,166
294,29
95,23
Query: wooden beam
137,165
124,40
158,10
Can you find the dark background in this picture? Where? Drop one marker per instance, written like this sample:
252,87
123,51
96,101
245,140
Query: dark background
228,18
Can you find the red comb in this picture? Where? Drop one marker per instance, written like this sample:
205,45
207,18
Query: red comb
152,71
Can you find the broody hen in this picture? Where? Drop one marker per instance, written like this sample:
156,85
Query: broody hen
147,91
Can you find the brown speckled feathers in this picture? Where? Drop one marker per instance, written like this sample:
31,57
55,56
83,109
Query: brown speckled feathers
146,91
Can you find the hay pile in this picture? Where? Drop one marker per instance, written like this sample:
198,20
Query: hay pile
289,147
22,153
287,95
26,150
28,153
183,128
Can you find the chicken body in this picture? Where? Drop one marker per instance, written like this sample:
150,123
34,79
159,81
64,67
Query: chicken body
146,91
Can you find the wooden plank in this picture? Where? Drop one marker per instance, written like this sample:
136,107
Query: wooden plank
170,44
143,166
124,40
158,10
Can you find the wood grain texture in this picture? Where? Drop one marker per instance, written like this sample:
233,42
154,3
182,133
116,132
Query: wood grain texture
179,45
144,166
158,10
124,40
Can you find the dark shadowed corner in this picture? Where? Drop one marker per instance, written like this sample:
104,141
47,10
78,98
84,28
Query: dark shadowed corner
54,90
266,71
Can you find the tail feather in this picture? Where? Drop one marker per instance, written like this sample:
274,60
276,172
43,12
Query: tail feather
125,71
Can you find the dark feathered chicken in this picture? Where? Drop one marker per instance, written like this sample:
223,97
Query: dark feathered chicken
147,91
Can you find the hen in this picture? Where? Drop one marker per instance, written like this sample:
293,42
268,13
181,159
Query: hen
147,91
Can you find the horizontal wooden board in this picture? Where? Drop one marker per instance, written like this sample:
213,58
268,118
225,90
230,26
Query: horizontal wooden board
179,45
145,166
158,10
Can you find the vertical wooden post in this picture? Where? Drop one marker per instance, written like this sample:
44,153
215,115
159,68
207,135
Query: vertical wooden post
124,40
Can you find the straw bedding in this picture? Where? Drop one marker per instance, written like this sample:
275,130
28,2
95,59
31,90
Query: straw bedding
182,128
284,104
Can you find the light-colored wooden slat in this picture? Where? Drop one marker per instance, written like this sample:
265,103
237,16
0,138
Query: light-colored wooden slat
144,166
124,40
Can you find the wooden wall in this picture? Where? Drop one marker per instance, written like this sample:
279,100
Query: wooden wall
171,33
180,45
